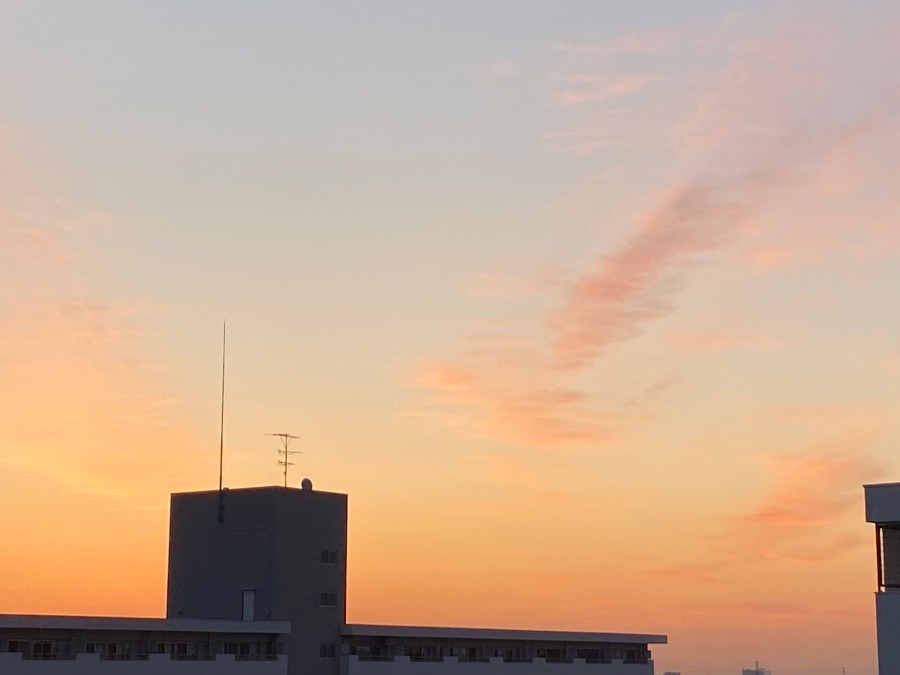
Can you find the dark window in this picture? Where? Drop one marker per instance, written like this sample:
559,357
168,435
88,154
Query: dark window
329,556
328,599
41,650
889,555
326,651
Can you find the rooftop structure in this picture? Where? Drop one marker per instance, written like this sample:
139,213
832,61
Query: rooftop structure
259,575
883,509
278,553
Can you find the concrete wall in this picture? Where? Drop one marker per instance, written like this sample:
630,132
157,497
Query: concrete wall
402,665
887,614
883,503
157,664
271,541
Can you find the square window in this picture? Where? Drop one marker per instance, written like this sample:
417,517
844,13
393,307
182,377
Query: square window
326,651
329,556
328,599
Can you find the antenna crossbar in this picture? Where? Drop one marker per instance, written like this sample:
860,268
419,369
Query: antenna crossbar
285,453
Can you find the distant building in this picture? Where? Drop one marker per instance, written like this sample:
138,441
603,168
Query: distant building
756,671
883,509
257,584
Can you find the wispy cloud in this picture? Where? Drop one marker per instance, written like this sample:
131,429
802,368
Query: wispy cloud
637,283
809,515
804,518
80,402
593,89
771,256
650,42
498,406
581,142
748,139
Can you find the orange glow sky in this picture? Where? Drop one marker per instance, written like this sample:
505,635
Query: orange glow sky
592,310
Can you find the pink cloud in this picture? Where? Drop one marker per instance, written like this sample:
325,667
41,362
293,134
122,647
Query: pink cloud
634,285
804,517
771,256
593,89
524,413
809,515
748,141
23,244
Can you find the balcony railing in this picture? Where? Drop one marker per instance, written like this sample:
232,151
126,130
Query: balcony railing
72,655
461,658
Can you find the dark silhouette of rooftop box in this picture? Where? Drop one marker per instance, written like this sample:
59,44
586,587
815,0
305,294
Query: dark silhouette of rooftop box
279,554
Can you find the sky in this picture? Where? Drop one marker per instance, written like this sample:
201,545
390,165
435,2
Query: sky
591,307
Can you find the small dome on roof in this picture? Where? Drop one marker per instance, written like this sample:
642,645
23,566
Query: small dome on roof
306,484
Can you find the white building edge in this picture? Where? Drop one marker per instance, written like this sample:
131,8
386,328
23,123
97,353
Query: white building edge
883,509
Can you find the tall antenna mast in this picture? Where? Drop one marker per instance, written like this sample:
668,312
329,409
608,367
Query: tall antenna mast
283,450
222,432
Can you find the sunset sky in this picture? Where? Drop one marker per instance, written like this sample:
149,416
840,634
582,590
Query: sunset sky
591,307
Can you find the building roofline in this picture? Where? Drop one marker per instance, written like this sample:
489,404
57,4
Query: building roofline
260,488
372,630
51,622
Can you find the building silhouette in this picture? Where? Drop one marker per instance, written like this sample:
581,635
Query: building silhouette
278,554
257,584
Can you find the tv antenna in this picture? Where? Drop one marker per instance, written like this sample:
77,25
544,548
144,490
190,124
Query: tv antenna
222,432
284,455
